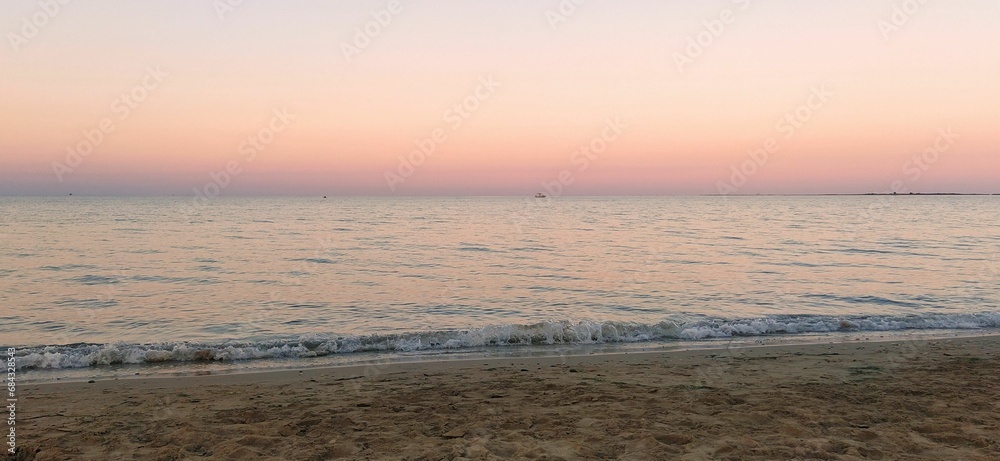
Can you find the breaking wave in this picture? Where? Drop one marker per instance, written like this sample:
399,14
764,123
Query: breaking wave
538,334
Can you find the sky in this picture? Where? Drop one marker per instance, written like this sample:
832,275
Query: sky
474,97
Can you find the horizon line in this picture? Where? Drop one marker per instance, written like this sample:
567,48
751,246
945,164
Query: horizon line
816,194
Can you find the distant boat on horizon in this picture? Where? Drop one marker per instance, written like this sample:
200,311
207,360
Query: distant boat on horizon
540,195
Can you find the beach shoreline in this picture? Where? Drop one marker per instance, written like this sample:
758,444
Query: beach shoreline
184,369
922,399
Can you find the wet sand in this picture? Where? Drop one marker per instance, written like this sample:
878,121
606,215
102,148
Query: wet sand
934,399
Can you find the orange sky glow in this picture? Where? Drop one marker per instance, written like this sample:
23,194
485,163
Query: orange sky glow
496,98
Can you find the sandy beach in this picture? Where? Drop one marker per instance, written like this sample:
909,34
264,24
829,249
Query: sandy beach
929,399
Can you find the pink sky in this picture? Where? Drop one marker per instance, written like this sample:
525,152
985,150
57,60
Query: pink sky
553,81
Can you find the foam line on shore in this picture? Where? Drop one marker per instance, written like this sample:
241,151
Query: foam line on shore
538,334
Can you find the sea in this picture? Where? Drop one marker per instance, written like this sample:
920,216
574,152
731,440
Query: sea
115,287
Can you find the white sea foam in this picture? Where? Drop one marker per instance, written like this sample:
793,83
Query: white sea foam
540,334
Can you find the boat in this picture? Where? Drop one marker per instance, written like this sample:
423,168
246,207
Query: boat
540,195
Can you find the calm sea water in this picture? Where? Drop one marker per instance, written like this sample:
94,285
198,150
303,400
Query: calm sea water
91,282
